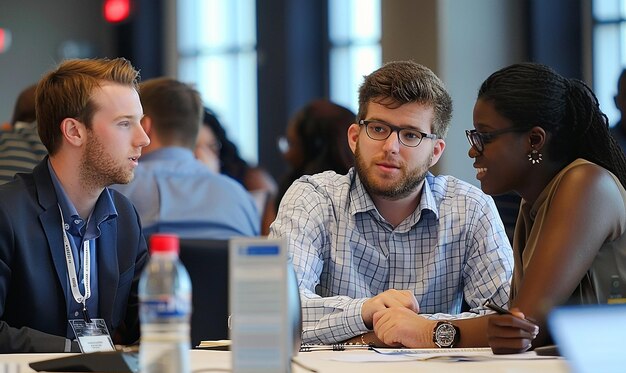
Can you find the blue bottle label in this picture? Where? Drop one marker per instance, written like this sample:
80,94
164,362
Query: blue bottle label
166,307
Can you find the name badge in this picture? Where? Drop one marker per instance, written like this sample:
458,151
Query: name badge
92,336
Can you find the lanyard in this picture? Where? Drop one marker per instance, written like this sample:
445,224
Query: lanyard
71,270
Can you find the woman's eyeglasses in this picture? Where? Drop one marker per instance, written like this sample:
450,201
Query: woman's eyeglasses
478,139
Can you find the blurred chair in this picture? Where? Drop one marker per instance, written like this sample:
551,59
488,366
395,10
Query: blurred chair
207,264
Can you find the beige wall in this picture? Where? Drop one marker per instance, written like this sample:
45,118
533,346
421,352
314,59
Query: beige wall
410,31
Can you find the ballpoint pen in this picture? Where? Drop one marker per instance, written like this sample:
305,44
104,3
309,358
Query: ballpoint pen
502,311
494,307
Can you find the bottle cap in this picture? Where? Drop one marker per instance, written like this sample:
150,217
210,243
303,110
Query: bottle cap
164,243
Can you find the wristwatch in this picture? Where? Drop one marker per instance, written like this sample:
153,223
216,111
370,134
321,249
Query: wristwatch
445,334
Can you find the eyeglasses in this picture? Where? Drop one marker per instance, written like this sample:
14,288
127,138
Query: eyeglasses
215,146
380,131
478,139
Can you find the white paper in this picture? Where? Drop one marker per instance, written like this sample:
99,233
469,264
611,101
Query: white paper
96,343
458,354
258,303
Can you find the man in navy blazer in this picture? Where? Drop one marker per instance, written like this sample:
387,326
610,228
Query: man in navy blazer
70,248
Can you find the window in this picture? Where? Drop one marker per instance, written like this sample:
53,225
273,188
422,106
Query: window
354,34
217,52
609,51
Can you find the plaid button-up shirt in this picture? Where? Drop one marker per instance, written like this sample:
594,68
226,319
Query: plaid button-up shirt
452,249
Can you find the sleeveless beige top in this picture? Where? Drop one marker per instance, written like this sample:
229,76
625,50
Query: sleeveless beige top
595,286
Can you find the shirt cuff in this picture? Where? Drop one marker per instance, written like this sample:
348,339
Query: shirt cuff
353,318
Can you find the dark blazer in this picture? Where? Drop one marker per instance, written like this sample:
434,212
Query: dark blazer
33,273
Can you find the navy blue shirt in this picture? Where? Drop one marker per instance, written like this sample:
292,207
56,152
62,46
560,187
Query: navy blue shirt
78,231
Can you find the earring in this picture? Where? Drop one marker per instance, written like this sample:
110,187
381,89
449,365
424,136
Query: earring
535,156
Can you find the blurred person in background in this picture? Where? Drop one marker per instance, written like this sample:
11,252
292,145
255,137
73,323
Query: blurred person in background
220,154
316,141
173,191
20,146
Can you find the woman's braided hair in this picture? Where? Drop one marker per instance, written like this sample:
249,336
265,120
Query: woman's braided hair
530,94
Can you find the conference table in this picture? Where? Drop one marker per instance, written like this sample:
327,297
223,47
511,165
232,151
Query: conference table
362,361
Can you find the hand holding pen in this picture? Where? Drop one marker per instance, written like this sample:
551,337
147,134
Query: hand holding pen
509,331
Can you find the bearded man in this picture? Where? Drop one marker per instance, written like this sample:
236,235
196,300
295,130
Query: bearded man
70,248
389,240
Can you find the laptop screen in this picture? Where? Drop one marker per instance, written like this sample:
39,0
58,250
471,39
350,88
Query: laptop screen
592,338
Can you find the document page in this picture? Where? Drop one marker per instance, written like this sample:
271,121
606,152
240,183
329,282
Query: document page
458,354
258,303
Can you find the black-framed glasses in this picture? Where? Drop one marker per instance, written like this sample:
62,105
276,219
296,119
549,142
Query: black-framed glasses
478,139
380,131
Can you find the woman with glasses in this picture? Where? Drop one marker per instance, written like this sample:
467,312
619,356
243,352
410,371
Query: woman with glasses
544,137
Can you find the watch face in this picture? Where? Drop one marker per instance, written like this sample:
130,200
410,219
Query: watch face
445,335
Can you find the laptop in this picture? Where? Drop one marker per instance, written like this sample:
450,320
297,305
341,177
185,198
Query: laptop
207,263
592,338
103,362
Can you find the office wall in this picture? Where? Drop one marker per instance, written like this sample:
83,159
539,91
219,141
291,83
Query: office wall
43,33
462,42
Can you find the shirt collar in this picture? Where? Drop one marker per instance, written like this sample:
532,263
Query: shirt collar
360,200
428,201
75,225
168,153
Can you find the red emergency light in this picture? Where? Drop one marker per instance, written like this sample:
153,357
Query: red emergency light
5,40
116,11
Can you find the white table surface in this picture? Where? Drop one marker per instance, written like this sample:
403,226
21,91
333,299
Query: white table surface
326,362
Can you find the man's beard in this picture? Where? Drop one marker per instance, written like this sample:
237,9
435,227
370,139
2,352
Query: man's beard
403,187
98,168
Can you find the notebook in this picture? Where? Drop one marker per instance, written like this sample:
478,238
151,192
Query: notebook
591,338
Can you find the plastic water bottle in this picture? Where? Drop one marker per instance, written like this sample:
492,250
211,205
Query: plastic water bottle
165,309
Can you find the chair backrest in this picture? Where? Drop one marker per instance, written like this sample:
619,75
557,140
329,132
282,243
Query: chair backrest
207,264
